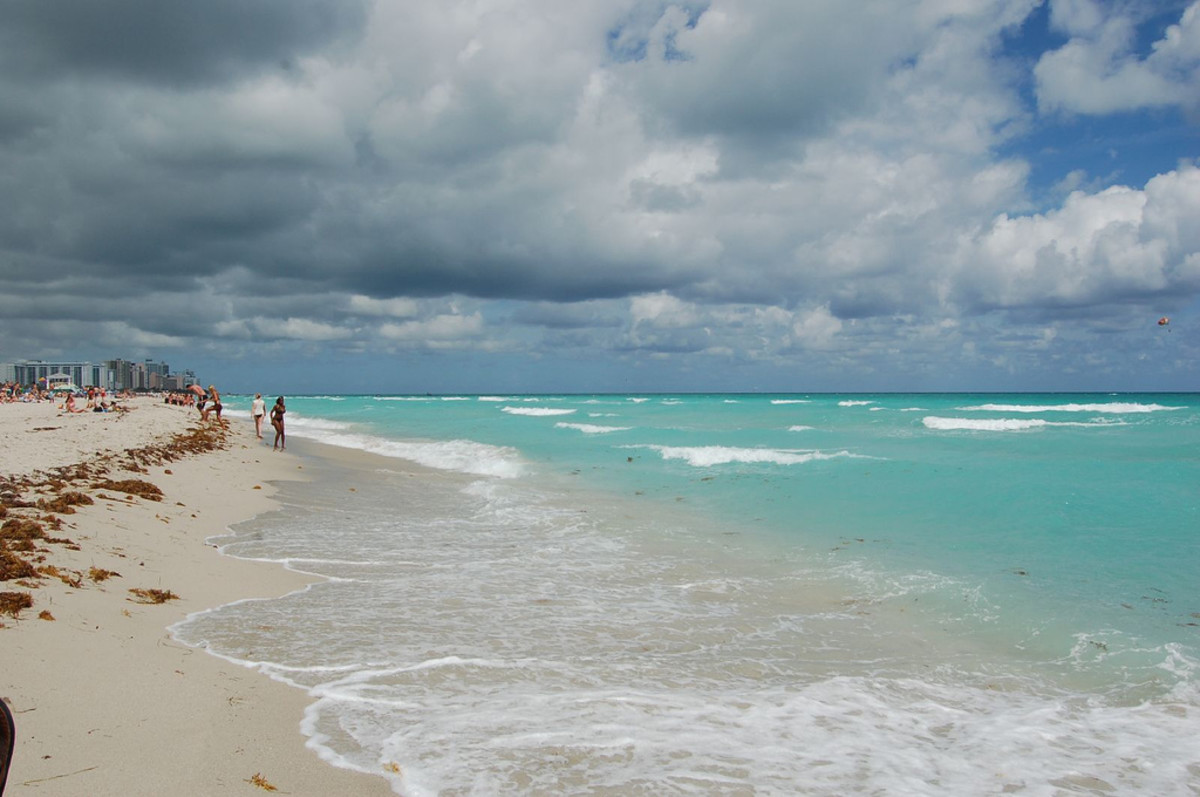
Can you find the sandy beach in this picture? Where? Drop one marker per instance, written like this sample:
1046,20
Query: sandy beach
105,701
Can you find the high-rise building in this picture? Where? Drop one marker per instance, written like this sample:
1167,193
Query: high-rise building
111,374
80,374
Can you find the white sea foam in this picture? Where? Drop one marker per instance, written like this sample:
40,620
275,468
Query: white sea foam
591,428
707,456
791,401
536,411
1115,407
464,456
799,428
1003,424
854,403
299,424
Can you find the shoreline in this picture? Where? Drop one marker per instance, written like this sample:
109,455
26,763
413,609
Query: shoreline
106,702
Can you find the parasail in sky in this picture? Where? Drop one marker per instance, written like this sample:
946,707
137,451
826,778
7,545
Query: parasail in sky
1162,322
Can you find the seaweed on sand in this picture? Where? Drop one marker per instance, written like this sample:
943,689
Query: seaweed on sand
14,567
258,780
65,503
152,596
11,603
138,487
98,574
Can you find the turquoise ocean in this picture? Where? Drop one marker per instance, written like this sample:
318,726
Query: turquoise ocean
739,594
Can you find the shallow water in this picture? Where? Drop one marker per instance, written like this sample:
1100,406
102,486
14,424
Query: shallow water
930,594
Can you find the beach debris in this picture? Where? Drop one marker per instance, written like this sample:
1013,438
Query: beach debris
392,767
65,503
72,578
98,574
11,603
44,614
18,534
258,780
138,487
30,505
13,567
152,596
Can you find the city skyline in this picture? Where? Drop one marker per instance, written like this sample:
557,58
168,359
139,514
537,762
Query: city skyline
110,374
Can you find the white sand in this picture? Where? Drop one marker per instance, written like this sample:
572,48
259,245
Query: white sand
105,702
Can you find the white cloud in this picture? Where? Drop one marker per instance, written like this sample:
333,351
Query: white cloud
1094,249
816,329
1098,71
273,329
446,327
395,308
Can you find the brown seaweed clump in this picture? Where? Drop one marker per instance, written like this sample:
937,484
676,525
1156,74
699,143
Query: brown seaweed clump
152,596
142,489
11,603
258,780
18,534
14,567
64,503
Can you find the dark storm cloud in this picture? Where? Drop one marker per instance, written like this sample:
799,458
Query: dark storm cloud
168,42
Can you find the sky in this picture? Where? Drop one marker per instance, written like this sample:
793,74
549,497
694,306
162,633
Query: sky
606,195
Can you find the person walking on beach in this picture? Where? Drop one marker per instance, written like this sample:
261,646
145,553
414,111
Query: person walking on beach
258,408
277,421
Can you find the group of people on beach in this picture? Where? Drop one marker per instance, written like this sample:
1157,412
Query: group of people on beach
97,398
258,410
208,402
12,392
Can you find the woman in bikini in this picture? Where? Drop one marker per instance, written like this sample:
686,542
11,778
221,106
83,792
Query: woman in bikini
277,421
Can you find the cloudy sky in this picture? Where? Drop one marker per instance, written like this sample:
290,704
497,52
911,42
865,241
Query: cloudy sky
536,195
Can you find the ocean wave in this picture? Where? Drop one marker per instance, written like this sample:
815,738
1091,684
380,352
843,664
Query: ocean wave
854,403
707,456
1002,424
536,411
1115,407
462,456
298,424
791,401
799,428
592,428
